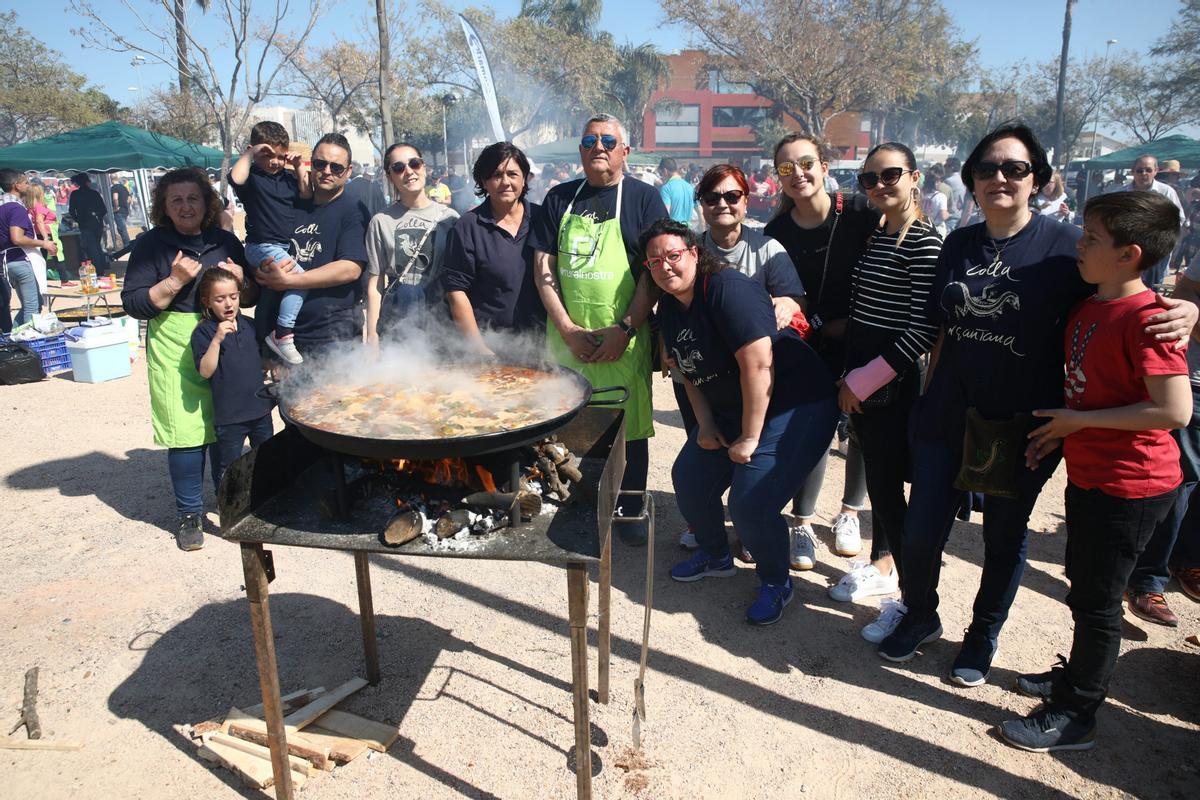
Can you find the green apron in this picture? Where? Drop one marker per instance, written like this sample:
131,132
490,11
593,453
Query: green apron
181,407
597,287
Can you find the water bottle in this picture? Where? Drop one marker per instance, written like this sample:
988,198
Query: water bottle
87,278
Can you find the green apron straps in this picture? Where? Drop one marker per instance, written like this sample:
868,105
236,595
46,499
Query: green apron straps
597,287
181,408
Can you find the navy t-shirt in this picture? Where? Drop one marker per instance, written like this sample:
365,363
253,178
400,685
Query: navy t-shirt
1003,314
238,375
322,234
640,206
728,313
269,200
494,269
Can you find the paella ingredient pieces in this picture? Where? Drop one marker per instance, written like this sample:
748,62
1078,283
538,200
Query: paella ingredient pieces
437,403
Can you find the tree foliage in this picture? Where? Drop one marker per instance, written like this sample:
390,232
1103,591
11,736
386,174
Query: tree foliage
40,96
1146,105
640,70
1089,85
1180,51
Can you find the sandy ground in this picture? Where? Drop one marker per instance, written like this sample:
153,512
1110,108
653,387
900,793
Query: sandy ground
136,639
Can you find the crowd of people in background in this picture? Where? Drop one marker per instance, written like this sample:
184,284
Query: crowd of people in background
966,325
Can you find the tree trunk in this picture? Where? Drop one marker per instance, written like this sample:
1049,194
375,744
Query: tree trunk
385,64
181,46
1059,155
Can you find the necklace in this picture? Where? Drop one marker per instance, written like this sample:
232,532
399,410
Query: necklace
999,246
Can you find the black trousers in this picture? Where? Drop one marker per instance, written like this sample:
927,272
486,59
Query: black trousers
1105,536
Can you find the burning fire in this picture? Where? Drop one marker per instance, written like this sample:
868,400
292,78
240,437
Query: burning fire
446,472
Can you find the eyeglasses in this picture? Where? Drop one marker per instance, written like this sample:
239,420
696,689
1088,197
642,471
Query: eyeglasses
1012,170
888,177
670,257
1144,170
320,165
731,198
414,164
607,141
785,169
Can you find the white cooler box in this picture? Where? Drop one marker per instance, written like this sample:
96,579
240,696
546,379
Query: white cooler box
101,355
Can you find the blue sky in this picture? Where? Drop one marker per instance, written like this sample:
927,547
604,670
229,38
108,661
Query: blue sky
1005,32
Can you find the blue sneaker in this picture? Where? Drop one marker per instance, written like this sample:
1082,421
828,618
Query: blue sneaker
702,565
768,608
902,643
974,660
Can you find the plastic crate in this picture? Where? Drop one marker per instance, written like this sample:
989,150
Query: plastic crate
52,350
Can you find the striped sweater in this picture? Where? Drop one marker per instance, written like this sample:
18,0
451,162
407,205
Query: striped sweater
892,283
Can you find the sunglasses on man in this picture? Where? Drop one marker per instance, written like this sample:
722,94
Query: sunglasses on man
888,177
1144,170
1012,170
320,165
786,169
414,163
607,141
731,198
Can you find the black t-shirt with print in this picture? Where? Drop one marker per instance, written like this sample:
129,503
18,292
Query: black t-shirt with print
269,200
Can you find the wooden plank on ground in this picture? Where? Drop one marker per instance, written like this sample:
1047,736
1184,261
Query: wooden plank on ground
303,716
37,744
289,702
377,735
341,749
299,765
243,726
255,772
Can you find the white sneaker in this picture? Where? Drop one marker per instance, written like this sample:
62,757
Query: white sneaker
847,540
890,614
687,540
863,580
803,551
285,348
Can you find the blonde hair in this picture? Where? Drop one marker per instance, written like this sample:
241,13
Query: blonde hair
32,196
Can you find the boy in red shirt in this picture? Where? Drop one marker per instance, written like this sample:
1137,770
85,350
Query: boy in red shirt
1124,391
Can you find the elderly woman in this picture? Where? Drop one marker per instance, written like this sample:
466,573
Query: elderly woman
160,286
406,245
488,277
1001,295
765,411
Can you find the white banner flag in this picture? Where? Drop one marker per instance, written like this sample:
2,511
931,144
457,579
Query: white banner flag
486,85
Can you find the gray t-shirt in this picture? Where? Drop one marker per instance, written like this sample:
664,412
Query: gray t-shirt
409,244
762,258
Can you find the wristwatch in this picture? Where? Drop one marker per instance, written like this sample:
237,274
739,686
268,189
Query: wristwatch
626,328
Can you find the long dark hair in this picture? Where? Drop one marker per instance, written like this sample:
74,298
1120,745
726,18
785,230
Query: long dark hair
706,262
910,162
212,201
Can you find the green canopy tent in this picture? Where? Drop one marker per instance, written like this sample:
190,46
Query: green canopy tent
106,147
1183,149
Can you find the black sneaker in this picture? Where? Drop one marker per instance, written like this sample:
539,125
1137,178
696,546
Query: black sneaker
1048,729
633,534
190,535
910,634
1040,685
974,660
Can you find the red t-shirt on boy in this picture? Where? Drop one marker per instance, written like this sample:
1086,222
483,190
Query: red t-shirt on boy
1109,355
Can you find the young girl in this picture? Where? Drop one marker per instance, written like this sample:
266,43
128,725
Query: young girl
890,328
226,353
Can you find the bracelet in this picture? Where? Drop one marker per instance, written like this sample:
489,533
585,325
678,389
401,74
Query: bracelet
626,328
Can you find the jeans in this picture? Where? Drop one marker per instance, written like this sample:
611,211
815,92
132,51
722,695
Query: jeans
804,504
24,283
186,465
1153,568
883,438
401,302
789,446
685,407
122,225
932,505
291,301
93,250
231,437
1105,534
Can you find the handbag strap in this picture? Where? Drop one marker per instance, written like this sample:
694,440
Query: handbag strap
838,207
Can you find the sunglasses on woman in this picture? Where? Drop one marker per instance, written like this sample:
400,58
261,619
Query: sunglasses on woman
670,257
731,198
1012,170
607,141
414,164
888,177
320,165
786,169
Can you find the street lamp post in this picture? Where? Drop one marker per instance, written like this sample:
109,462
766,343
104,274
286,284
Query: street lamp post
1096,122
448,100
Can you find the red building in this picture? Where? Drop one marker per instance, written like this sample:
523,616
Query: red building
716,118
